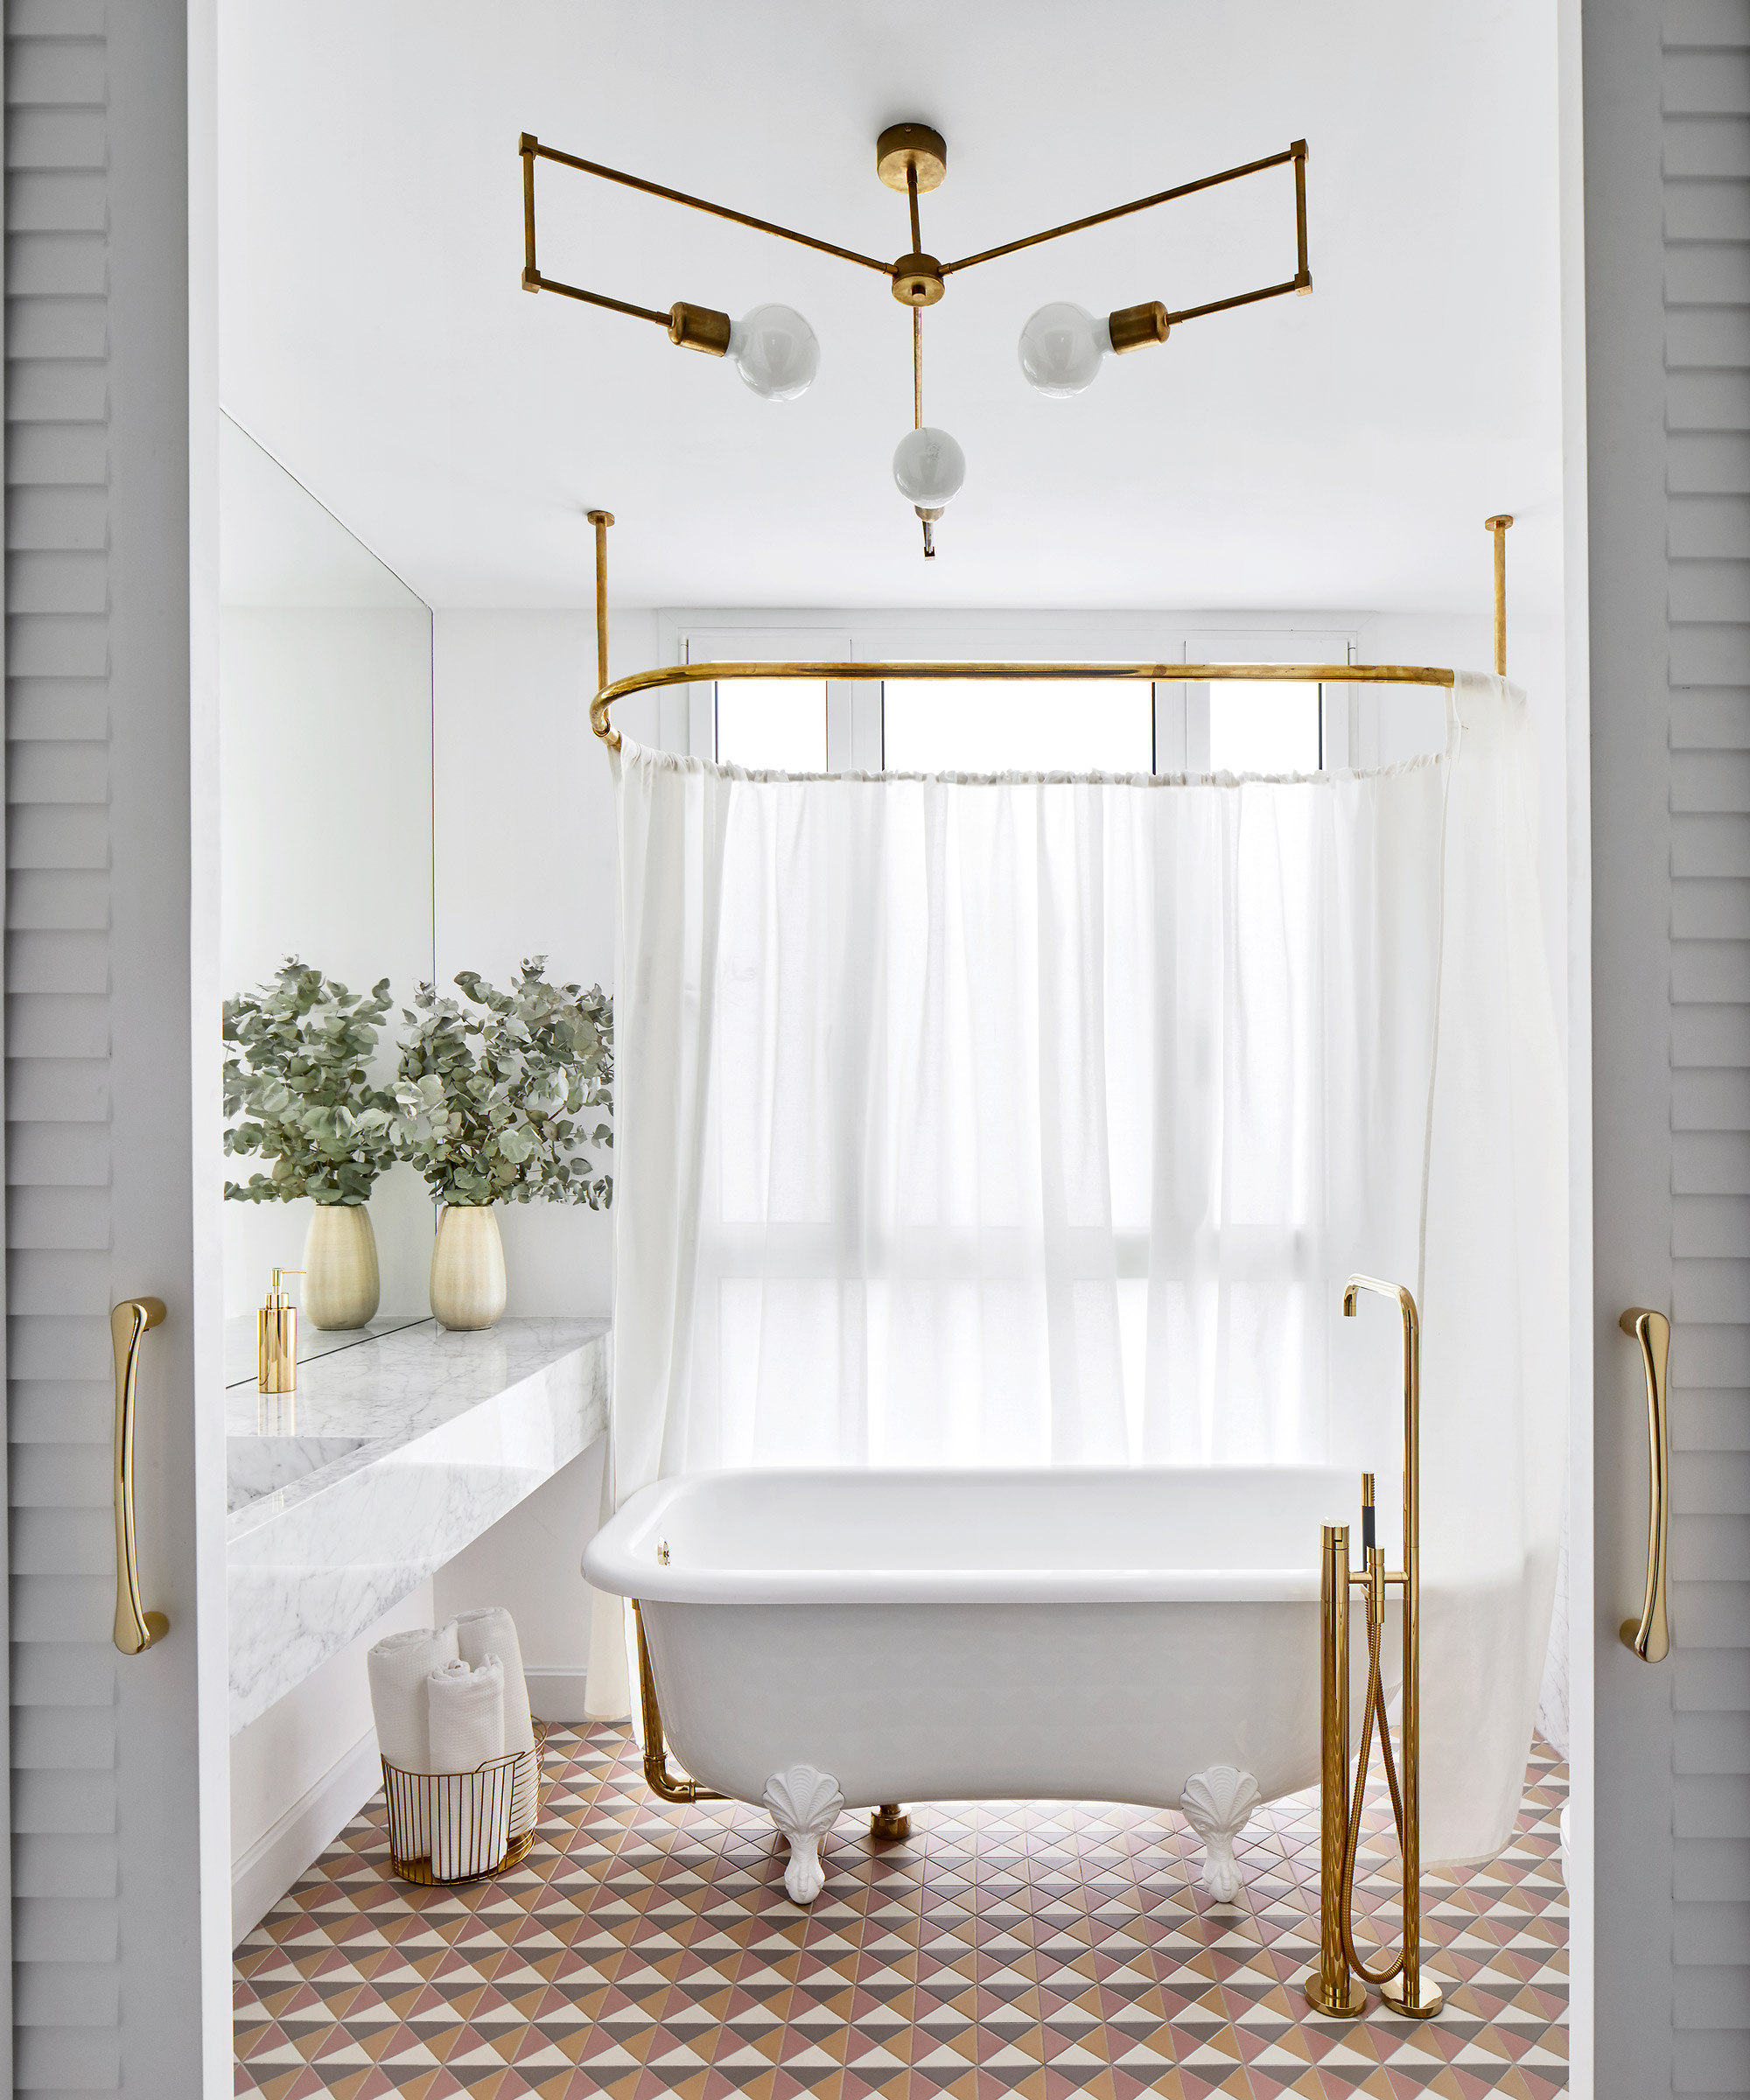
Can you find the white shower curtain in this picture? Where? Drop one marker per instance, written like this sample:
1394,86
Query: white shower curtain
1038,1120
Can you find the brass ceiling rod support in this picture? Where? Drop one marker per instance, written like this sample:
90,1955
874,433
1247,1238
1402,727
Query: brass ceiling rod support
601,519
1498,526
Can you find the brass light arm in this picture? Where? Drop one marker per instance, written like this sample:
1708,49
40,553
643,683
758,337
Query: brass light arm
1297,153
533,281
689,327
1240,298
532,150
526,151
1133,327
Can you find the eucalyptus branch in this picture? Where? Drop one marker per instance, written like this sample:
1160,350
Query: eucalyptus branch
297,1073
493,1097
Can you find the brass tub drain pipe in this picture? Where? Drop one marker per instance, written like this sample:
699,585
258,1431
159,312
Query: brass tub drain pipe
661,1781
1336,1986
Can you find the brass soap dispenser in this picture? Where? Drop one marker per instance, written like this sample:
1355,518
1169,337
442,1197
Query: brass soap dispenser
276,1339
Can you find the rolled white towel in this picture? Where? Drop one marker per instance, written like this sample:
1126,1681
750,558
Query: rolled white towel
398,1668
467,1714
492,1631
471,1830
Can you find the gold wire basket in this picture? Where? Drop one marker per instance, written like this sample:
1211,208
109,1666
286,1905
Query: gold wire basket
462,1821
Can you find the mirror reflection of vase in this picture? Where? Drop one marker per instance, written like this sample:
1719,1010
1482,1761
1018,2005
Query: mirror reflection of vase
468,1286
342,1287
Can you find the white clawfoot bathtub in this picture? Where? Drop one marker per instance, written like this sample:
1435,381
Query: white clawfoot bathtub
1087,1634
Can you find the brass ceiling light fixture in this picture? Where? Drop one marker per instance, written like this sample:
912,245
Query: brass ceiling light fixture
1062,346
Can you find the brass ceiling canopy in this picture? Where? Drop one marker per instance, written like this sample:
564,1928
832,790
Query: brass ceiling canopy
905,150
1063,346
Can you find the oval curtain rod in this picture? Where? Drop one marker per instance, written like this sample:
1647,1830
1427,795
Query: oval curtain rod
1182,674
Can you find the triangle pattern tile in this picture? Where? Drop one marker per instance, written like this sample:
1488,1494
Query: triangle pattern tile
1033,1949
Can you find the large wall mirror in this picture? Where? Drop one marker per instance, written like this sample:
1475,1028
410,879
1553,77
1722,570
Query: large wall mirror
325,700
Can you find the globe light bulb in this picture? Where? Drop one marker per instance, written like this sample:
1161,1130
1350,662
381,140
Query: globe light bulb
1061,348
775,352
929,468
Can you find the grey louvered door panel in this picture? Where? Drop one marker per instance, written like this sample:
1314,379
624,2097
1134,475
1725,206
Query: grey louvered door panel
113,1962
1668,298
1706,224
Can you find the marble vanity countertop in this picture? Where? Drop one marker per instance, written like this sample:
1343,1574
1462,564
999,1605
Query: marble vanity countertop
390,1459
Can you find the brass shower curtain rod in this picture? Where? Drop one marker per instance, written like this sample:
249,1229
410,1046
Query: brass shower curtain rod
1183,674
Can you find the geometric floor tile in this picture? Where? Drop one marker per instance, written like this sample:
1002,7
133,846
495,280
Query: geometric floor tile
1037,1948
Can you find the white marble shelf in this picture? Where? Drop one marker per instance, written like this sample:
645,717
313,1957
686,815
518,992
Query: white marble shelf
390,1459
240,1341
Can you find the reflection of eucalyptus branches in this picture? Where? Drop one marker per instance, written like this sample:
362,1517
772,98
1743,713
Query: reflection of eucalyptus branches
295,1070
487,1101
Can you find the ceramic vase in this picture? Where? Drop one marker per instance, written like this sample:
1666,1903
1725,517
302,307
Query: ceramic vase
341,1288
467,1267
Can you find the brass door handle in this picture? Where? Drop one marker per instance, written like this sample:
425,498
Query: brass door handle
135,1630
1651,1634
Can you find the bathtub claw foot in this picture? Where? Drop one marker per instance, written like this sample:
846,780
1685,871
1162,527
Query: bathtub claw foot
803,1803
1218,1804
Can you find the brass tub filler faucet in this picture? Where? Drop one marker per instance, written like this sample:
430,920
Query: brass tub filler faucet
1337,1986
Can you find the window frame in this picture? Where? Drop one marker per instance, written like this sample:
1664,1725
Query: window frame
855,725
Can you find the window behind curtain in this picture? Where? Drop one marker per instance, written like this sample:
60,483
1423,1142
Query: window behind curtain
1018,725
1270,727
772,724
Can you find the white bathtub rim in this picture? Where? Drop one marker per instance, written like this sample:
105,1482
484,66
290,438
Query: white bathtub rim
622,1560
652,1585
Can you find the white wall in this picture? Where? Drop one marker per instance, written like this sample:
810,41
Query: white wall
304,1768
326,839
522,840
525,862
530,1562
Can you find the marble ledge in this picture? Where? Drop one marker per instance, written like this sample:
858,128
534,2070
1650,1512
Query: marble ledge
389,1460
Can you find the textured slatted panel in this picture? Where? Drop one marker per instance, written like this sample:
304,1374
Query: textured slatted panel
57,1043
1707,415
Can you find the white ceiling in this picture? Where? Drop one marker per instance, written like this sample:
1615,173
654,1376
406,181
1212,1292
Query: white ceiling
277,546
1336,451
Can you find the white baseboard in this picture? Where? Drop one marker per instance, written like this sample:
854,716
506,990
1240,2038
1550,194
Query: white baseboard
557,1695
274,1862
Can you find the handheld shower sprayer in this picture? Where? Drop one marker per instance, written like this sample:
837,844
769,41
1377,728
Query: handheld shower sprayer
1335,1986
